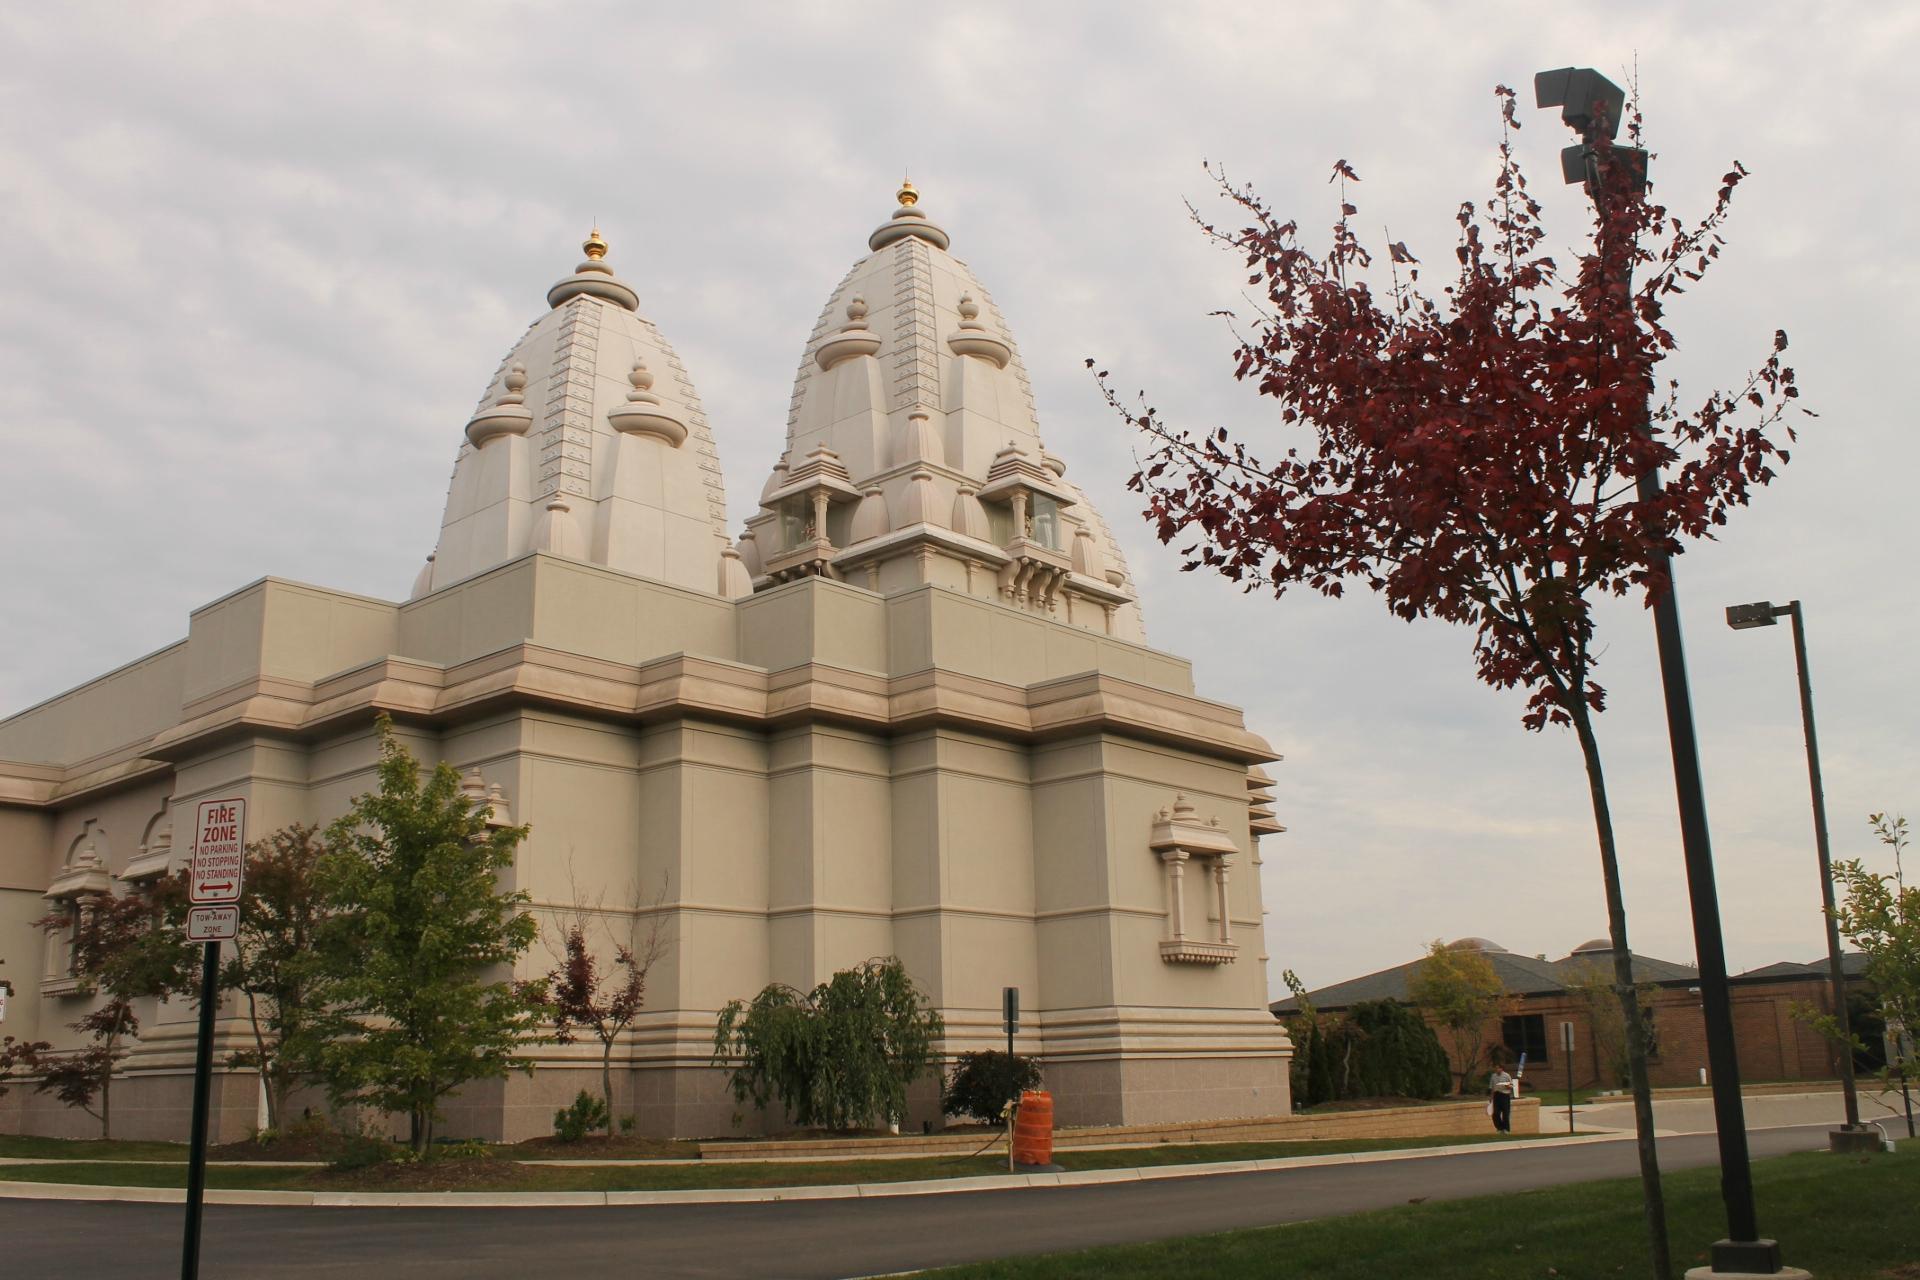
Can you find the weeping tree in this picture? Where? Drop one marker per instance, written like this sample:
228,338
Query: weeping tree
1474,455
840,1056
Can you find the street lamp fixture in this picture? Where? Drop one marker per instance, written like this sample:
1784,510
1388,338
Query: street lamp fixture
1763,613
1592,106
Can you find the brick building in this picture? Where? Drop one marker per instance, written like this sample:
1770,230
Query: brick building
1772,1044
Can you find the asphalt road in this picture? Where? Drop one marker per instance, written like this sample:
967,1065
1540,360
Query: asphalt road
67,1240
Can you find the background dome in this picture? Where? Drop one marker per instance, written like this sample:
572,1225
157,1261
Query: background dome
590,442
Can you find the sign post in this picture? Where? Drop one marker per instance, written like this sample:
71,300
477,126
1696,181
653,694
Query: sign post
1566,1048
213,887
1010,1013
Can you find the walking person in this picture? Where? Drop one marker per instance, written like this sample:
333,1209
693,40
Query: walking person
1501,1085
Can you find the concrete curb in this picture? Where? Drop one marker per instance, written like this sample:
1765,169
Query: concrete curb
755,1195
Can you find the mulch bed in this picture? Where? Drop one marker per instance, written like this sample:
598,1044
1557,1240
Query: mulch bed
299,1146
622,1146
446,1174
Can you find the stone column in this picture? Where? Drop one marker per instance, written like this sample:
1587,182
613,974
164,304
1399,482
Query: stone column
820,500
1176,860
1220,888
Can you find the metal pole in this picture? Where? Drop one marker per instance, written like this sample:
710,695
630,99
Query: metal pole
202,1088
1834,970
1569,1095
1743,1250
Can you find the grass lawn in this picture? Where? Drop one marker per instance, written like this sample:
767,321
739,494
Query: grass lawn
18,1147
500,1174
1842,1218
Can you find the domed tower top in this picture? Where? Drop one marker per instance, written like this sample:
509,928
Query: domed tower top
589,443
914,453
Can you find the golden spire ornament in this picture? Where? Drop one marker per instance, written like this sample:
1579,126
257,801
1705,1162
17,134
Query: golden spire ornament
907,196
596,248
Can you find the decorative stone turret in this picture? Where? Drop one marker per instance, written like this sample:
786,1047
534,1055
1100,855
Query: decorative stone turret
972,338
854,338
643,414
507,416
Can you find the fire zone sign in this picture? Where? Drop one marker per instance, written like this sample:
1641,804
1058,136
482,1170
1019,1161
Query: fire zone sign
219,851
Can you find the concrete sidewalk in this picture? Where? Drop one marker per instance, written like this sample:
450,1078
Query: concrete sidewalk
754,1195
1763,1111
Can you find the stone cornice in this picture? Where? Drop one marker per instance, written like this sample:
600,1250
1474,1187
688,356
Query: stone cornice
678,685
41,786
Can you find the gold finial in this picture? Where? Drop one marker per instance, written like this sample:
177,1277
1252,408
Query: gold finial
596,247
907,195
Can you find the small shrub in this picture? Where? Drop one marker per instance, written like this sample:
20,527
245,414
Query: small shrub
462,1149
364,1150
982,1083
628,1122
572,1123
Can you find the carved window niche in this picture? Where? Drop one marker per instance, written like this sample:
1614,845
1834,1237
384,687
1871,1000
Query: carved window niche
802,505
1185,842
1023,501
154,857
80,883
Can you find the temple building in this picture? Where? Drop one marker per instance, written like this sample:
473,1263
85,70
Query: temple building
909,711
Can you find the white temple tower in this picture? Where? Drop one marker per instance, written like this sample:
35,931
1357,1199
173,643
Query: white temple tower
590,443
914,454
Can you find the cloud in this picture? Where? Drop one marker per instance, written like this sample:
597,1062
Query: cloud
261,261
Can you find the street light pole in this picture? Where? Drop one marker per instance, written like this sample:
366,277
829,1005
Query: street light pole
1592,105
1741,617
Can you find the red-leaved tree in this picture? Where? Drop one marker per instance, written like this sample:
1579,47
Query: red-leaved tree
1475,456
584,996
125,947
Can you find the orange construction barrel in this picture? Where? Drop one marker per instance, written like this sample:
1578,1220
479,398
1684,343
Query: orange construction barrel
1033,1129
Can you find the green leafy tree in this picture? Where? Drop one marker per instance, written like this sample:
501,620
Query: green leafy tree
416,947
1592,989
1880,915
273,961
1300,1029
1394,1053
125,947
1458,988
1319,1068
840,1056
983,1083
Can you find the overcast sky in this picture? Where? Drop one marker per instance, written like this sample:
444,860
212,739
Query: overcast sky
257,262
